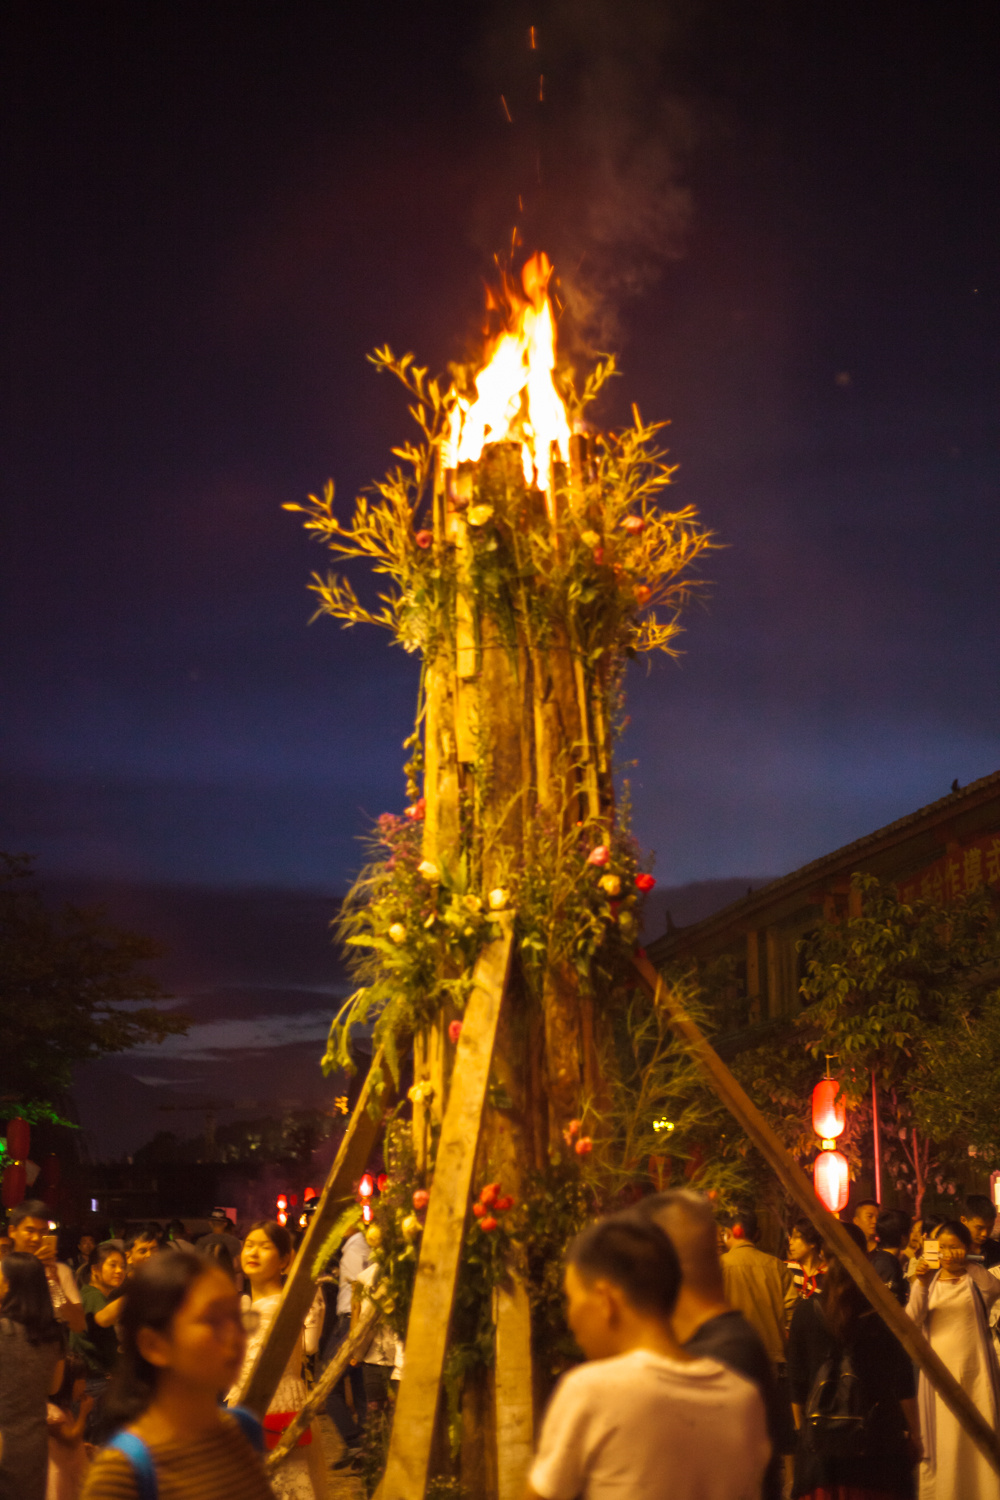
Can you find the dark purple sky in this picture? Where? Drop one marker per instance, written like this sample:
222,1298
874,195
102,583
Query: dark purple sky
211,213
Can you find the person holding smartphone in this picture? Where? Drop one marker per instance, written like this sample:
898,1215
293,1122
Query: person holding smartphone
31,1234
950,1301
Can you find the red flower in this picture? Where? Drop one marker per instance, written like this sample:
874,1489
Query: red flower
643,594
421,1198
599,856
598,555
479,1209
489,1224
633,525
644,882
503,1204
489,1193
454,1031
573,1129
584,1146
424,538
416,810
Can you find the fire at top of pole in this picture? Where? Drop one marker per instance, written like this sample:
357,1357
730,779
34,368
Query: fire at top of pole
516,396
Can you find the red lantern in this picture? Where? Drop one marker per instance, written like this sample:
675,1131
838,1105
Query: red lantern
366,1186
829,1113
830,1179
15,1184
18,1138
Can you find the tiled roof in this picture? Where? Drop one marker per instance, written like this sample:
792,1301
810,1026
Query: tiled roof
765,894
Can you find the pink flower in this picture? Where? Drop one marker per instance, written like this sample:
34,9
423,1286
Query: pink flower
454,1031
599,856
584,1146
416,810
421,1198
424,538
633,525
644,882
488,1224
598,555
573,1129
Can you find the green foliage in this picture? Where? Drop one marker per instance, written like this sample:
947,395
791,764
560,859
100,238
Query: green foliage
72,988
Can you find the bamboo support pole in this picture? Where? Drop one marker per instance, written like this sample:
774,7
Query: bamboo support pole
794,1180
338,1194
412,1437
356,1340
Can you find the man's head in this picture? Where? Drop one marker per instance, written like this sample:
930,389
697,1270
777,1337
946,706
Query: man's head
979,1217
219,1222
892,1228
28,1225
865,1216
741,1228
622,1278
687,1219
139,1247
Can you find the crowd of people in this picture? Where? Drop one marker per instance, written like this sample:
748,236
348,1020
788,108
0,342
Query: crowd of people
711,1369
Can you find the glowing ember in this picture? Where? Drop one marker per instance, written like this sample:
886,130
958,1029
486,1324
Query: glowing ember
516,397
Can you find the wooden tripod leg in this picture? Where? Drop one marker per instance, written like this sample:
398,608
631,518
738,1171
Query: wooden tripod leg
338,1194
794,1180
437,1270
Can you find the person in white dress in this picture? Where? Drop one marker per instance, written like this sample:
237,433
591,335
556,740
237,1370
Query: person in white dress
952,1307
266,1255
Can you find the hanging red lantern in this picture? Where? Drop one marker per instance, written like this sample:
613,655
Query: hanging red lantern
18,1138
15,1184
829,1114
831,1180
366,1186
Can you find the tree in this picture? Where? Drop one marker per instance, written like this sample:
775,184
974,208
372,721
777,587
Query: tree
72,988
911,994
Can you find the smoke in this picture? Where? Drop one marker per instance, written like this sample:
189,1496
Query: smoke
589,166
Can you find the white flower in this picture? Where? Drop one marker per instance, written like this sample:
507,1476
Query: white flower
499,898
429,870
480,514
397,933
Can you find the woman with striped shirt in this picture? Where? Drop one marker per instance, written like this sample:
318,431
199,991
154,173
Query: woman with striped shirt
182,1346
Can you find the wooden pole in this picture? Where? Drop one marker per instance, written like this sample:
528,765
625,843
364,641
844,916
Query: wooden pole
356,1339
412,1437
794,1180
338,1194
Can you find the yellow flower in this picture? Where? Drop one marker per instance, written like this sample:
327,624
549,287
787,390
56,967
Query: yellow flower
429,870
411,1227
472,903
499,898
590,538
480,514
373,1235
612,884
398,933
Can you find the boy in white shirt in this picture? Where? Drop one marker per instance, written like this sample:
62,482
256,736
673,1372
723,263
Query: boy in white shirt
642,1419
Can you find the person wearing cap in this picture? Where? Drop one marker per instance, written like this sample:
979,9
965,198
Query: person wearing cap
221,1229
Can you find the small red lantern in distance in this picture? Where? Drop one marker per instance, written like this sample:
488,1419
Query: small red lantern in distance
366,1212
830,1179
829,1114
366,1186
382,1182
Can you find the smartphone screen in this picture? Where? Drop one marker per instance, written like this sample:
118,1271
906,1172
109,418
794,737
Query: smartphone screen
932,1252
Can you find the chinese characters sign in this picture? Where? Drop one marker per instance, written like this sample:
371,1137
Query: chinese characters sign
957,874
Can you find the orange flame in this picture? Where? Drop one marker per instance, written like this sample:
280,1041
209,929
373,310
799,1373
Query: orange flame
516,397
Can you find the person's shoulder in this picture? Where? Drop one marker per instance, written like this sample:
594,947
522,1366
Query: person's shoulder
110,1477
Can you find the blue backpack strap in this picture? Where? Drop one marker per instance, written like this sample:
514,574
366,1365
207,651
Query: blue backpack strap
139,1456
252,1429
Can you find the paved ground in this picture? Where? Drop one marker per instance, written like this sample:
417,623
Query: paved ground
343,1484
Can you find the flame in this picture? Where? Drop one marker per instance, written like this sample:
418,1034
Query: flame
516,398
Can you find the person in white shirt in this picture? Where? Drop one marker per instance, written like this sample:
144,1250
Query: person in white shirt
30,1233
642,1418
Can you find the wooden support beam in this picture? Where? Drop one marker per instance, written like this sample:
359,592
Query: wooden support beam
338,1194
437,1269
797,1184
357,1339
513,1390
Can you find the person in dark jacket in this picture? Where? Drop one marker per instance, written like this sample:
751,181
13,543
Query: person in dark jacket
893,1230
840,1321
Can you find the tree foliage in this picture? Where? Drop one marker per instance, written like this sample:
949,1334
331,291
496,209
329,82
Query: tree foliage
72,988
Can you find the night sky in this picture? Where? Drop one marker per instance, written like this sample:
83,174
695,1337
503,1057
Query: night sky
785,219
